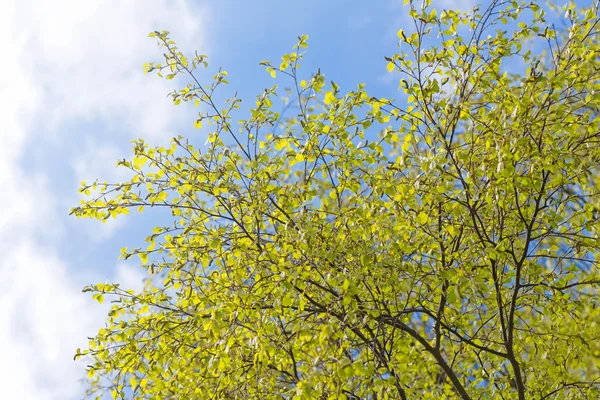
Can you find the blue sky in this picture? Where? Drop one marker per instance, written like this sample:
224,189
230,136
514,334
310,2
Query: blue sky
74,95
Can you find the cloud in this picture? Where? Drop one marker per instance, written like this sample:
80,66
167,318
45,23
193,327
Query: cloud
88,59
96,160
44,320
68,65
130,276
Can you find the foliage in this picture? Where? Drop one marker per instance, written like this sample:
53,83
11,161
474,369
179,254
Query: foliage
452,255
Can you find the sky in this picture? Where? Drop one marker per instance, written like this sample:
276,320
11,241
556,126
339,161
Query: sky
72,97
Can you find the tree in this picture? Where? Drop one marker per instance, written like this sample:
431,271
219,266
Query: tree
366,249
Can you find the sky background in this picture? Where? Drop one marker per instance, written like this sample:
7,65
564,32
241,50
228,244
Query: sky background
72,97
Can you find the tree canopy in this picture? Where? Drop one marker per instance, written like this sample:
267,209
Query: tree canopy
440,246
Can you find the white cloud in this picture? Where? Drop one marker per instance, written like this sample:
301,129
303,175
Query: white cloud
97,160
130,276
88,58
66,62
44,320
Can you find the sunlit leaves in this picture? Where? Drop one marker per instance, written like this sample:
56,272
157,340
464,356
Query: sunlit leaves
329,98
443,245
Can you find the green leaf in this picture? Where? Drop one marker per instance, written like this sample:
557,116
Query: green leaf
359,246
